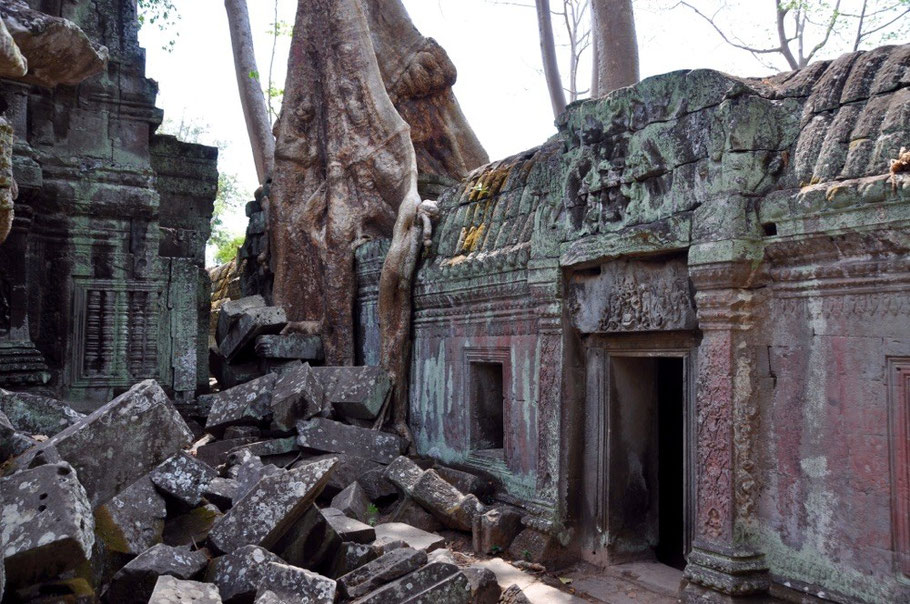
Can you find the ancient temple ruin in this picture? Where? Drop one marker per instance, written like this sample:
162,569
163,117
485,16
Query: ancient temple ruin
676,334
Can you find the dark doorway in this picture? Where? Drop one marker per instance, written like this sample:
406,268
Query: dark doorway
671,456
487,397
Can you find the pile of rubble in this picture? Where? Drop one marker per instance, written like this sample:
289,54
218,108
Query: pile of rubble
286,495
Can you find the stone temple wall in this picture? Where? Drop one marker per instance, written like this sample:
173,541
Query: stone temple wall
738,239
101,274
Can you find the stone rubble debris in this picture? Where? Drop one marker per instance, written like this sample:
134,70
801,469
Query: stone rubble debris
287,497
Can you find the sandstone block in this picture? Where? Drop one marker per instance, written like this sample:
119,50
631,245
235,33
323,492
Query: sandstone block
253,569
355,392
216,453
466,482
415,538
297,395
135,582
449,505
133,521
266,513
353,502
484,587
290,347
35,414
410,512
12,442
251,324
334,437
222,492
311,543
183,477
380,571
230,312
535,546
169,590
191,527
349,529
352,556
437,582
131,434
244,404
514,595
47,523
375,484
495,529
404,474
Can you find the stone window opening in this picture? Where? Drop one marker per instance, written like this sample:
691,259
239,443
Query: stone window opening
487,406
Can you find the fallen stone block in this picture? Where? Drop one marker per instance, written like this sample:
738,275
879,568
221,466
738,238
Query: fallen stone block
513,595
310,543
169,590
349,529
230,312
247,470
380,571
133,521
389,532
34,414
534,546
120,442
495,529
294,346
350,468
266,513
297,396
353,502
436,582
135,582
410,512
12,442
352,556
328,436
466,482
450,506
484,587
251,324
222,492
267,448
251,569
217,453
242,432
404,474
244,404
192,527
47,523
269,597
183,477
375,484
355,392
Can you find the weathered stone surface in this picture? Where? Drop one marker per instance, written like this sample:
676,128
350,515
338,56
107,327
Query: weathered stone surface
134,583
183,477
375,484
290,346
12,63
355,392
268,448
484,587
268,511
410,512
495,529
349,529
514,595
535,546
231,310
466,482
311,542
251,324
380,571
216,453
57,50
192,527
133,433
297,395
169,590
133,521
437,582
353,502
404,474
453,508
47,524
35,414
352,556
389,532
12,442
269,597
222,492
333,437
248,469
250,569
242,432
247,403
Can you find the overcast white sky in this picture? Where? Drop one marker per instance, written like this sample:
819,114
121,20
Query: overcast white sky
493,43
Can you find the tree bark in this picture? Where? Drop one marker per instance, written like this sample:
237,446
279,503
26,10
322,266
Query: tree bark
255,112
615,46
548,54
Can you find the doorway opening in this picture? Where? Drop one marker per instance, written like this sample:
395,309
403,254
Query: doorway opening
486,406
646,463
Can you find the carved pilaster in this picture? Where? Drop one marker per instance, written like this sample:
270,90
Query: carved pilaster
727,417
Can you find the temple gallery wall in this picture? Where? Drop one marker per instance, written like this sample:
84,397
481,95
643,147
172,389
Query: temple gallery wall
677,332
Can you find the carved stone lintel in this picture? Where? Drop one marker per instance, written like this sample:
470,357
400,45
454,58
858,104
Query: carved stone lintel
735,572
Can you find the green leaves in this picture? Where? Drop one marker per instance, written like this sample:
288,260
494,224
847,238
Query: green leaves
162,13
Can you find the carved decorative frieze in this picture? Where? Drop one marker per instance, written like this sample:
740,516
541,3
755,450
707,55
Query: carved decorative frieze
632,296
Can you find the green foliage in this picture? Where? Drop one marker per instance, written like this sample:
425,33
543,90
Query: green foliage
372,514
226,250
164,15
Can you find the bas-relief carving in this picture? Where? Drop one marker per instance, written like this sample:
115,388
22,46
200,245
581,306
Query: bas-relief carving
633,296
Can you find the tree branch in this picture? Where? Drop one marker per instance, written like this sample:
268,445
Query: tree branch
726,39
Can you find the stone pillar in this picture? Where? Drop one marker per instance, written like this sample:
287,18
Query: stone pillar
726,415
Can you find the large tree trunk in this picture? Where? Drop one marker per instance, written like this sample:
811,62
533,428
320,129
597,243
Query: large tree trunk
548,53
615,46
252,100
344,163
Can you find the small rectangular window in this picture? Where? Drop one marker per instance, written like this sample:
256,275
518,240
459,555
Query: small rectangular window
487,402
